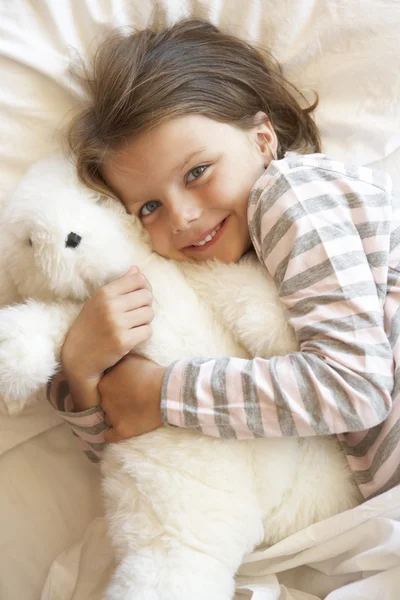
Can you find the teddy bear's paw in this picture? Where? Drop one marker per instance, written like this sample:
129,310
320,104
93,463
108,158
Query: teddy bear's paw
141,577
22,372
27,361
134,592
128,584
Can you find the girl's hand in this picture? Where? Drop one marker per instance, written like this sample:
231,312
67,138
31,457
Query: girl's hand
131,397
111,323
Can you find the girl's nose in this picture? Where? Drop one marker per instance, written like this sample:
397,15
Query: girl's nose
182,214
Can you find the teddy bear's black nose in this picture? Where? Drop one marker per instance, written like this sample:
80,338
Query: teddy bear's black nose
73,240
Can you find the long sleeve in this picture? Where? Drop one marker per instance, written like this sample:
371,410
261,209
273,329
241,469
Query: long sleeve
374,455
322,230
88,426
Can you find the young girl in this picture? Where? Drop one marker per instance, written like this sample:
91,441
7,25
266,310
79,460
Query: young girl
190,128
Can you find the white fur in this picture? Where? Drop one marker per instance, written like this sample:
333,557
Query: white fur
31,336
183,509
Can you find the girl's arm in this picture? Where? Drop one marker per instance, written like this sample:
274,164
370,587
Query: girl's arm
323,232
111,323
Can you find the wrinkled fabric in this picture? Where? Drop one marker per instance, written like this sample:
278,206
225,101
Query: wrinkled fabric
350,556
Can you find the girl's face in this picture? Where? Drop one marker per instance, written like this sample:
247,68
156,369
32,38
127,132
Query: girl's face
189,182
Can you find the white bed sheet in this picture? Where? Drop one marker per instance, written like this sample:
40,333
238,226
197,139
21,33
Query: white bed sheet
48,496
352,556
346,50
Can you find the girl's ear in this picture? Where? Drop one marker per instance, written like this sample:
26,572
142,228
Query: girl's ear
267,141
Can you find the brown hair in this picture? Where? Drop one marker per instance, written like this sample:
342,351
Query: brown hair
139,81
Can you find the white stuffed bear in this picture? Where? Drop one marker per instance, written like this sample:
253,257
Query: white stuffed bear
183,509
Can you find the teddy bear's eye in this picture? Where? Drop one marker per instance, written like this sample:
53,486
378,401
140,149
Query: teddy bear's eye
30,242
73,240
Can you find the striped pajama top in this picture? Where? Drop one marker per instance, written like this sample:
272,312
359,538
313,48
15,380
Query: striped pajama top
329,234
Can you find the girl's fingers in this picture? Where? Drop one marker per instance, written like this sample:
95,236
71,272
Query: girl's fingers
137,335
130,282
132,301
138,317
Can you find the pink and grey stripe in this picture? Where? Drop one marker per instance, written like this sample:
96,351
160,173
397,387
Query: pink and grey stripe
88,426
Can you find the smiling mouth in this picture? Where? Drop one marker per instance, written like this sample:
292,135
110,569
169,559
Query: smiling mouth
210,238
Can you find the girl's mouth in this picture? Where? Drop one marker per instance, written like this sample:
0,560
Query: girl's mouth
210,239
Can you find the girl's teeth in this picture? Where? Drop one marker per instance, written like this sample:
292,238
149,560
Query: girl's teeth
209,237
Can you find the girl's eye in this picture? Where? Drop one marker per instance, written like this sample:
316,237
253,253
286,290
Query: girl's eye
196,172
148,208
